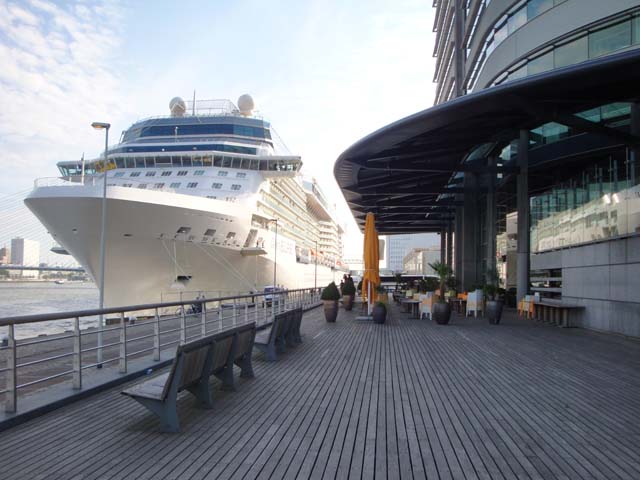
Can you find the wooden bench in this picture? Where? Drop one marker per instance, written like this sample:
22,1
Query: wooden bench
191,369
284,332
555,312
296,323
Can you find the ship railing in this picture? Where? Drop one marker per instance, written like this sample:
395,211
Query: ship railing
133,336
69,181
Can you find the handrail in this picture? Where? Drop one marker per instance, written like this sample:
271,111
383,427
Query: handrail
43,317
80,345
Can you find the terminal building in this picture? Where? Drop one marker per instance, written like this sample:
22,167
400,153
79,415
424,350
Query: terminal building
537,119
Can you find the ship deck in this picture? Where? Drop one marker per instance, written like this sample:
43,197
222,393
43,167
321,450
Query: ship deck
408,399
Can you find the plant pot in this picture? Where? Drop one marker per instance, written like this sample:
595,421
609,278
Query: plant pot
330,310
347,301
441,313
493,311
379,314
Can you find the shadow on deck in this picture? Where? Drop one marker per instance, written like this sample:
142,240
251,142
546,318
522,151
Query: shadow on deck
409,399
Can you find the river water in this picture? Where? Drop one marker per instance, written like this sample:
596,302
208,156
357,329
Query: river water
29,298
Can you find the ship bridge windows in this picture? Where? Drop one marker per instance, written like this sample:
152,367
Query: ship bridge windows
192,184
182,173
223,173
158,185
166,173
150,174
118,174
135,174
198,173
197,129
236,187
143,186
241,175
216,185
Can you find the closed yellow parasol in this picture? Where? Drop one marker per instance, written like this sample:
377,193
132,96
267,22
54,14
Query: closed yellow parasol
371,277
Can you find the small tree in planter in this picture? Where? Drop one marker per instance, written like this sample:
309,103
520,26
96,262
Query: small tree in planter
348,294
330,297
493,312
379,312
441,311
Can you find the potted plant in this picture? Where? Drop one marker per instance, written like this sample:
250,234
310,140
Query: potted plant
493,310
441,311
379,312
330,297
348,293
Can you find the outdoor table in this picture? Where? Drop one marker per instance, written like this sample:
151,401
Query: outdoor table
413,306
459,304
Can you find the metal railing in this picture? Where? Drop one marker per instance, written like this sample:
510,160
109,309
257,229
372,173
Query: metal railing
45,360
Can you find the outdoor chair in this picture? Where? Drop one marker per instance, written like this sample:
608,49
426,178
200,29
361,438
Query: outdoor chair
475,303
426,305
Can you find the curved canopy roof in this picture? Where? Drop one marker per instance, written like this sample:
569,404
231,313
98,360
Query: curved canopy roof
407,172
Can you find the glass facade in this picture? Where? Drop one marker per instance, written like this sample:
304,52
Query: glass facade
582,46
517,16
600,202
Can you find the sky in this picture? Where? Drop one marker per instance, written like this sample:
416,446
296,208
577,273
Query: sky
325,73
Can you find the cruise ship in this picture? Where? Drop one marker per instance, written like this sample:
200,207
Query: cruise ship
205,200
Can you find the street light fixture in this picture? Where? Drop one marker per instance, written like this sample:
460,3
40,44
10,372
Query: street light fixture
102,126
315,268
275,252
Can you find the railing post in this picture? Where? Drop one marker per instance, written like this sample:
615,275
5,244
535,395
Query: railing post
11,401
77,355
246,311
203,319
122,364
220,316
156,337
235,318
183,326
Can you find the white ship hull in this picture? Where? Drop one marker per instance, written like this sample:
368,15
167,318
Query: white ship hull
145,254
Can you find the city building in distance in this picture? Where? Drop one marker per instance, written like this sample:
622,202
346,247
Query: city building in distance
27,253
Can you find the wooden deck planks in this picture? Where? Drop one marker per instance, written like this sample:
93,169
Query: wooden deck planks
408,399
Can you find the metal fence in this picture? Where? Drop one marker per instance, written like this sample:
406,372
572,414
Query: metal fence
131,333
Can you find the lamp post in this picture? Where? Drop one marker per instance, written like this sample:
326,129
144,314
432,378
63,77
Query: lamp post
315,268
275,251
102,126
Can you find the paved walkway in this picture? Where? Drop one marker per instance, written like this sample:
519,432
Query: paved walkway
408,399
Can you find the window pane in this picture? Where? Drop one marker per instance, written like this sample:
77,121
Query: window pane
540,64
609,39
536,7
500,34
517,19
573,52
636,29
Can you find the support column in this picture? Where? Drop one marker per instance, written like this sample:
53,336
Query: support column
634,153
443,246
459,51
523,215
449,244
469,231
491,218
457,270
